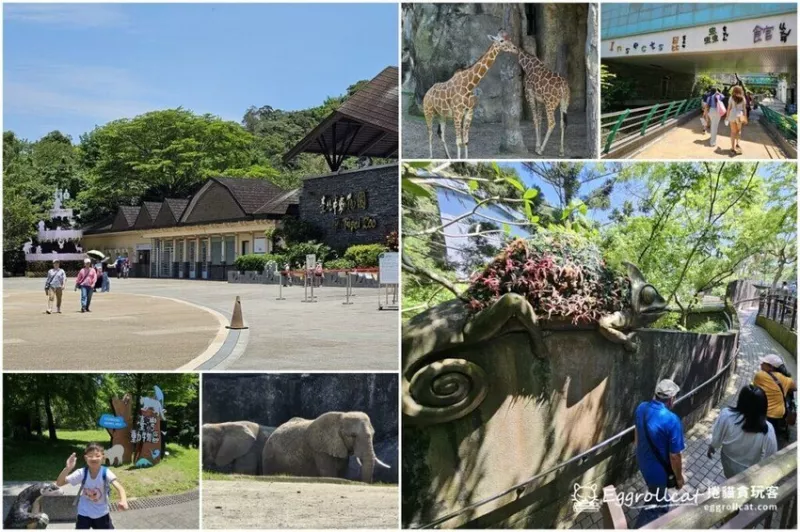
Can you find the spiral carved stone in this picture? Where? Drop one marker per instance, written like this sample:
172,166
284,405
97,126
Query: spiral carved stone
443,391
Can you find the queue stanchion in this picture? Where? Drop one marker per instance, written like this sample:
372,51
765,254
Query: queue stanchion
310,275
347,291
280,288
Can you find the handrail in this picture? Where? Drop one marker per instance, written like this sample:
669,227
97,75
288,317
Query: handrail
656,115
785,124
572,460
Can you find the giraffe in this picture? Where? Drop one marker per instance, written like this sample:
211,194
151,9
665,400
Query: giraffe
548,88
455,98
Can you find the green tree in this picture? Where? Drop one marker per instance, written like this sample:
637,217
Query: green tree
162,154
696,225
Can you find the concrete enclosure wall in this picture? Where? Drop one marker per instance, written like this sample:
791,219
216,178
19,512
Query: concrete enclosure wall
272,400
356,223
538,413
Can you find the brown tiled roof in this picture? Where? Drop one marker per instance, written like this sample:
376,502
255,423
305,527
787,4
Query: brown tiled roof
152,208
177,206
130,213
251,194
375,103
365,124
281,204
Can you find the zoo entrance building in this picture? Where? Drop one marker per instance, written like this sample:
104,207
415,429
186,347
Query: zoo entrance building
200,237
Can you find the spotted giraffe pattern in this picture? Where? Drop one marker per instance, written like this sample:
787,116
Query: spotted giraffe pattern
455,98
545,87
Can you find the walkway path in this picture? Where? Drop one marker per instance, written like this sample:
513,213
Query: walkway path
184,516
689,142
283,335
754,343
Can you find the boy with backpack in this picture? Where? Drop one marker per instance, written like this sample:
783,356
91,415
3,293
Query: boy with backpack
94,495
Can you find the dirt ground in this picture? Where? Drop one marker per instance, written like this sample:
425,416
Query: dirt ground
290,504
484,140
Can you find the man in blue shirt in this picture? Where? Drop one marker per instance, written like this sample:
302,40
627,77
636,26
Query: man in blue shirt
661,451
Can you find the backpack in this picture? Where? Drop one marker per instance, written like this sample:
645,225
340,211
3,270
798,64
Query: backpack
106,483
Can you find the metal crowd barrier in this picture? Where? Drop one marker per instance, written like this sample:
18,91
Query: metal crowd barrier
621,126
785,124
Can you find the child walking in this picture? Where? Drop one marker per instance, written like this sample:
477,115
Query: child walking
94,494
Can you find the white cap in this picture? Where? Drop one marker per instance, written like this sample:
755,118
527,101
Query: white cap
667,389
87,261
773,360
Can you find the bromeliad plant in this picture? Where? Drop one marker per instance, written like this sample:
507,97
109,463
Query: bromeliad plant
560,274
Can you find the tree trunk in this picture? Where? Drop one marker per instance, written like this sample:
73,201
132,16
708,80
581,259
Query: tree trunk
511,74
38,420
779,273
51,426
592,81
122,408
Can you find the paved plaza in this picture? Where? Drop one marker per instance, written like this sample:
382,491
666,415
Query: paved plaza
150,324
688,141
701,472
182,516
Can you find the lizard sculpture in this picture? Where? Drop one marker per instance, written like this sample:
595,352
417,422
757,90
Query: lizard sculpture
556,282
26,512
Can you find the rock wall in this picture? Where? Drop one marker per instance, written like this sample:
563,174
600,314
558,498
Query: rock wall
439,39
367,218
273,399
538,413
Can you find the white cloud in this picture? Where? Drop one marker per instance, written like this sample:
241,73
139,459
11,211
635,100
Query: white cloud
101,93
75,16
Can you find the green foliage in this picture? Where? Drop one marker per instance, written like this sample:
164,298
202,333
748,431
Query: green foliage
162,154
586,288
38,404
257,262
710,326
340,264
696,225
615,91
250,263
670,320
296,253
365,255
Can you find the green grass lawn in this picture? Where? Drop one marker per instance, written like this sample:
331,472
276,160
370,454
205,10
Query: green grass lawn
42,460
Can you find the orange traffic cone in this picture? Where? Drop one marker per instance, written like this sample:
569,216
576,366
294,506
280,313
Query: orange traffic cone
236,321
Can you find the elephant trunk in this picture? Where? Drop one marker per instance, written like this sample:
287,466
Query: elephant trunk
366,457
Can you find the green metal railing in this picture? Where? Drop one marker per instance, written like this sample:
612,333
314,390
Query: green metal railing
785,124
622,125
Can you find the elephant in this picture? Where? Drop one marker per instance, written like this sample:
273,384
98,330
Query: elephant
321,447
235,443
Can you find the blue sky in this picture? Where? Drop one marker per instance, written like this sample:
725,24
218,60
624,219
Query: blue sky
73,66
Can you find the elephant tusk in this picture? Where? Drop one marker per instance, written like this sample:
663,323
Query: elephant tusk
377,461
358,460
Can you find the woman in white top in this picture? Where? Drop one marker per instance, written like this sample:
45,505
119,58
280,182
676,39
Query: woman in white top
743,433
737,116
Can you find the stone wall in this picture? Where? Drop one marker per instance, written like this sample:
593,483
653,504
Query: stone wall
273,399
356,224
742,290
538,413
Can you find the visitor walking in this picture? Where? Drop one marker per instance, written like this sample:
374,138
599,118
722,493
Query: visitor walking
777,388
54,286
658,438
706,119
125,268
86,280
105,282
318,274
118,266
737,118
742,432
716,109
